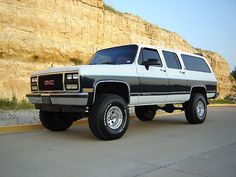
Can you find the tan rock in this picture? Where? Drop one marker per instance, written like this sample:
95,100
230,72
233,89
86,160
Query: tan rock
36,33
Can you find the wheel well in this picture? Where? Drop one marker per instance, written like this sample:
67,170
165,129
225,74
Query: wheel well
201,90
117,88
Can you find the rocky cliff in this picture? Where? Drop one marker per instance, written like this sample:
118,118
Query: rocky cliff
36,33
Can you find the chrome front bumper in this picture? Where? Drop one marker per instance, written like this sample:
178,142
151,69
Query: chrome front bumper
78,99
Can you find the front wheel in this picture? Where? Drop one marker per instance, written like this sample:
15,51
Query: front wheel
109,117
196,109
55,121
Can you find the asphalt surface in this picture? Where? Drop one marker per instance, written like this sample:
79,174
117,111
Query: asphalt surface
165,147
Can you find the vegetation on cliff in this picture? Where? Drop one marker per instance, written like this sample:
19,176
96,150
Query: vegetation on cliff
13,103
233,76
233,73
110,8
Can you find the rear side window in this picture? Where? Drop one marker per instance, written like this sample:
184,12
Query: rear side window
195,64
172,60
146,54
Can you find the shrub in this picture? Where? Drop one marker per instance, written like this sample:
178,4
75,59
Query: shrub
13,103
35,57
110,8
234,88
76,61
233,73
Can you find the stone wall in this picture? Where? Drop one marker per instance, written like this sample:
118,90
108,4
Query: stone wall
36,33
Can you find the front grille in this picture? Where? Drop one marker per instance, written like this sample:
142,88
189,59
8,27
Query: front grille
51,82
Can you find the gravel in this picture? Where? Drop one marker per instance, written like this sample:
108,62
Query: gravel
16,117
30,116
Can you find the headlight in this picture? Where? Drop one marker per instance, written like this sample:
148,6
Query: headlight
72,76
68,76
71,86
34,83
71,81
34,79
34,88
75,76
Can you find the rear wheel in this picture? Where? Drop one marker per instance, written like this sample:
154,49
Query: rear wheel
145,113
109,117
196,109
55,121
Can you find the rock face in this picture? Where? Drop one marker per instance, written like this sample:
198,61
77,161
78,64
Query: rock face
36,33
221,70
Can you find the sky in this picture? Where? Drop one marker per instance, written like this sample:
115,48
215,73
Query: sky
206,24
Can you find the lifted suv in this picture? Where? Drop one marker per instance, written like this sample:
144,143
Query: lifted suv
117,78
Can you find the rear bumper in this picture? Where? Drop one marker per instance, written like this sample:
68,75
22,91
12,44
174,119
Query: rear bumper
212,95
217,94
77,99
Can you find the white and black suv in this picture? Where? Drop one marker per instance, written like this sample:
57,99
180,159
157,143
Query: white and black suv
117,78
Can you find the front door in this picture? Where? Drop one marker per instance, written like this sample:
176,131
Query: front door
153,80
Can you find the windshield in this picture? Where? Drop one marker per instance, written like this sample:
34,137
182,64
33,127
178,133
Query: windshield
115,56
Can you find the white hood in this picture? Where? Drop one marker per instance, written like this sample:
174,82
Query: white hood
57,70
92,70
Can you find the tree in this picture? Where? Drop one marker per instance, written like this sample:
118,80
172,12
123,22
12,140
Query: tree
233,73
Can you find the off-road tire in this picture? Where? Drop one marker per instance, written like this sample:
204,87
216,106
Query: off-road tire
193,113
145,113
54,121
100,119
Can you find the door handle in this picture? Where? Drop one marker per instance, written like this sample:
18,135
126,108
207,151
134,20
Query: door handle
182,72
164,70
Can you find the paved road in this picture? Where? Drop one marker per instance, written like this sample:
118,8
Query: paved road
167,146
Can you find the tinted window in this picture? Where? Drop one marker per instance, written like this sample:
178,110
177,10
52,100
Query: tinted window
146,54
172,60
195,63
115,55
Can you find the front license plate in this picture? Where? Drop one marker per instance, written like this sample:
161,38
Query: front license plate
35,100
46,100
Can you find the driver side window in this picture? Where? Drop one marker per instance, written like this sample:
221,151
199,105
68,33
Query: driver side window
146,54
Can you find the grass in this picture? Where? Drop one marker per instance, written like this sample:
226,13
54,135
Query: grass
222,101
13,103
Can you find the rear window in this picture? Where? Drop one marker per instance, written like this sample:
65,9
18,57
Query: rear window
195,63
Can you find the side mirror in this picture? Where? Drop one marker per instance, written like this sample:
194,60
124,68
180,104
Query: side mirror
151,62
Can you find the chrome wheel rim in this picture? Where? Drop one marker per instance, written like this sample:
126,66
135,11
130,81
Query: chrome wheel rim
200,109
114,117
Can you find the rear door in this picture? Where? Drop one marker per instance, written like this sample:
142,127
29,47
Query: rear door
178,91
153,81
